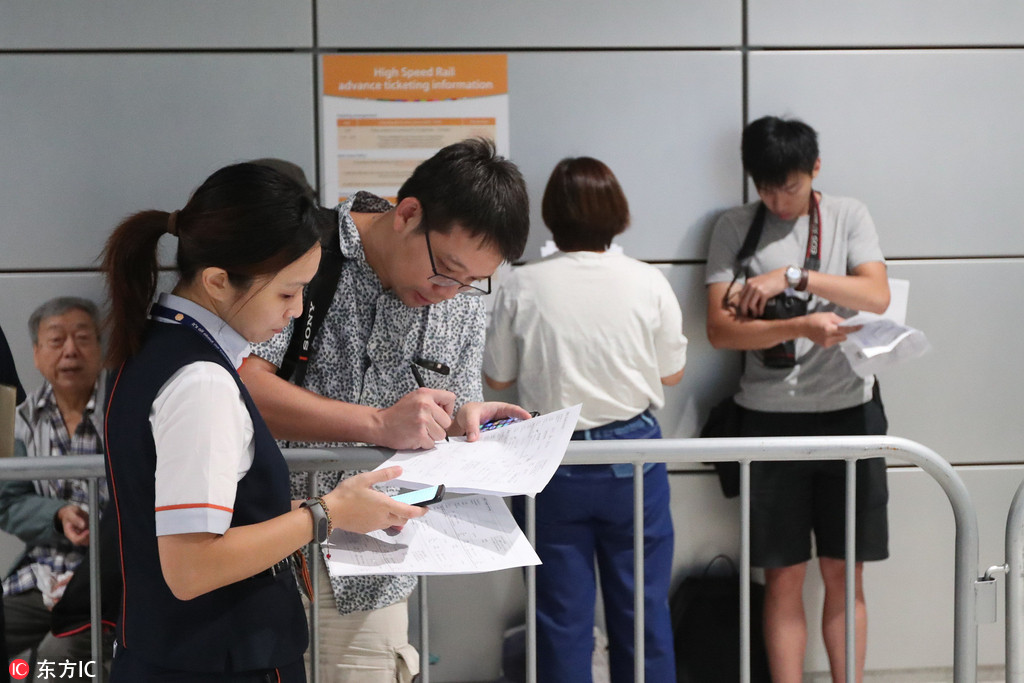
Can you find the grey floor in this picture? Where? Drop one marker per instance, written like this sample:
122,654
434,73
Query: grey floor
988,674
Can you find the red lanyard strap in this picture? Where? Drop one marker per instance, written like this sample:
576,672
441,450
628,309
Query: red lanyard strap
812,259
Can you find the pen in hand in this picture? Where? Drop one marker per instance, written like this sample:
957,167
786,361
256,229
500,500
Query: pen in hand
419,382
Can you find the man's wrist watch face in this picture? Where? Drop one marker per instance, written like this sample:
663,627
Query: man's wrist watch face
320,522
792,276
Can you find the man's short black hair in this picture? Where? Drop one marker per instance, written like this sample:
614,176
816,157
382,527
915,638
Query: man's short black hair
469,185
774,148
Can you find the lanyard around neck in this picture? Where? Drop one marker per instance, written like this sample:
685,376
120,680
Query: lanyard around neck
177,317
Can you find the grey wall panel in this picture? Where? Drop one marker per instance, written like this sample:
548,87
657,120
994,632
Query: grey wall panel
529,23
666,123
882,22
103,24
929,140
91,138
960,399
468,617
710,374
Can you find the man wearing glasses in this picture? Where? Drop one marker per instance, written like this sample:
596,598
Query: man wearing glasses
408,294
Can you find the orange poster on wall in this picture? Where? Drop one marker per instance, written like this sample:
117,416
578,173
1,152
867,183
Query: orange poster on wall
415,77
384,114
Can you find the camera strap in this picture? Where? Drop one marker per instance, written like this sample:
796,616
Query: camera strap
316,300
812,258
812,261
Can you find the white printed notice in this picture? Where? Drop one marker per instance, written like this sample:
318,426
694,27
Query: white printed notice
519,459
466,535
382,114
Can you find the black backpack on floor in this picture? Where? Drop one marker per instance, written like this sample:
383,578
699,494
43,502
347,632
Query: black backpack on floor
706,626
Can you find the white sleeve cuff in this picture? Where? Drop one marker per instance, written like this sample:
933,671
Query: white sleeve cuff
190,519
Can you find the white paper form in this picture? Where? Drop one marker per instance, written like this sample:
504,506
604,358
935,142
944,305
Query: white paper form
519,459
884,340
465,535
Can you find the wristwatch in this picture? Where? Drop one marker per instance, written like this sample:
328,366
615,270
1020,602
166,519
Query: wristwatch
321,518
796,278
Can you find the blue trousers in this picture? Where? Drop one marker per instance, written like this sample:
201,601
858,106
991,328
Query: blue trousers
585,514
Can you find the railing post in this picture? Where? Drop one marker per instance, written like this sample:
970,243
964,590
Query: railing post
639,618
531,594
95,596
314,599
850,568
1015,589
424,630
744,571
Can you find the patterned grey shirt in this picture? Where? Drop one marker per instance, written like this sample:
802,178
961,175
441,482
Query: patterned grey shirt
362,355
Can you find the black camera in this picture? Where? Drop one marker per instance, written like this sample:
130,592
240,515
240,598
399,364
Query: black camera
782,307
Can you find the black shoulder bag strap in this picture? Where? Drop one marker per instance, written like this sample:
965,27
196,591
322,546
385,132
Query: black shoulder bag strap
315,302
750,241
747,249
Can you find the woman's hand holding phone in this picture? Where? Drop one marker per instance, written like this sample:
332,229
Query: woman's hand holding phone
356,506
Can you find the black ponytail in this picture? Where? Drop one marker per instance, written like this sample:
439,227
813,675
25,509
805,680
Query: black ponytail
248,219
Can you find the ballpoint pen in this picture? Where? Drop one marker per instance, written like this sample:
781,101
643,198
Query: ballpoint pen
419,382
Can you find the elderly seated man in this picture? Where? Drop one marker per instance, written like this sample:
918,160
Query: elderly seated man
62,417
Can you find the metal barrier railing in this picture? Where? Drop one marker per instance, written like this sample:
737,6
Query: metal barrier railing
850,449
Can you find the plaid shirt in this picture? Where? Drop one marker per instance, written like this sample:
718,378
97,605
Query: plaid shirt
41,425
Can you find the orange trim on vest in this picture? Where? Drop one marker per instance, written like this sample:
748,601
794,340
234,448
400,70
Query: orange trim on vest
117,510
184,506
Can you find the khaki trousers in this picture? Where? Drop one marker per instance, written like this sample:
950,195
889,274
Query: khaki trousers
362,647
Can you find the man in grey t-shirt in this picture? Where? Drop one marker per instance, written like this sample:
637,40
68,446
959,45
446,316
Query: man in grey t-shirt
822,253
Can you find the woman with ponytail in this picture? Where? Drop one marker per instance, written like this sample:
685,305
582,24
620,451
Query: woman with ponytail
200,489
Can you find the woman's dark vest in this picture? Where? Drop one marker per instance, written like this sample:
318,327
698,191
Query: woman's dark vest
257,623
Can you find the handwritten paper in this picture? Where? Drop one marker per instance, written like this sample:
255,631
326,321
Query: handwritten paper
464,535
519,459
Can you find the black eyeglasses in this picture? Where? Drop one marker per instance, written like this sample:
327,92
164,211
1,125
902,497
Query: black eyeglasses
445,281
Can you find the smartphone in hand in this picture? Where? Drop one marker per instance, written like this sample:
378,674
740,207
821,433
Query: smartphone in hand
422,497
